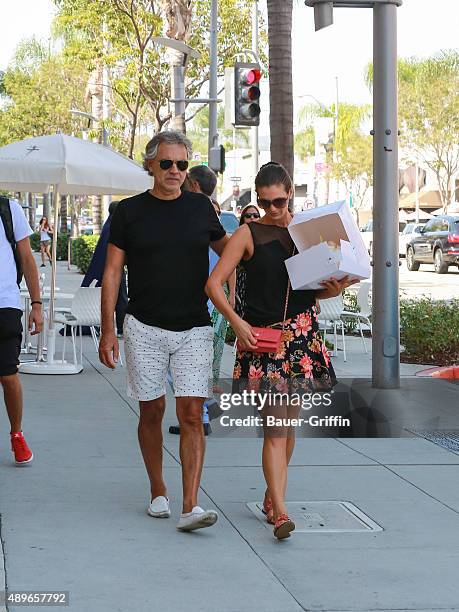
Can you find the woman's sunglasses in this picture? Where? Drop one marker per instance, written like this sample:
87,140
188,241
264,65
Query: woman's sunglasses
251,215
165,164
277,202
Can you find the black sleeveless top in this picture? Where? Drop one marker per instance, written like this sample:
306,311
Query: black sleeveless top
267,278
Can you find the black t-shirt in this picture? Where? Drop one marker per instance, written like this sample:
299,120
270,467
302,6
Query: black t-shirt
167,249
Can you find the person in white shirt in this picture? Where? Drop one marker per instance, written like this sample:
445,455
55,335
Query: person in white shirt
11,315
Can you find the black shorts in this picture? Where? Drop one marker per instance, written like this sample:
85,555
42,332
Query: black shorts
10,340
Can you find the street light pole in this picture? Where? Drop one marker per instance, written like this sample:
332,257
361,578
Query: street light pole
213,85
386,316
179,54
386,325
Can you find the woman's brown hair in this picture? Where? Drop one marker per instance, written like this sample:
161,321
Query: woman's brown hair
271,174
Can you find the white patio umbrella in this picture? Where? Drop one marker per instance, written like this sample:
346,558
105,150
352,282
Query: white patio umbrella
423,216
68,165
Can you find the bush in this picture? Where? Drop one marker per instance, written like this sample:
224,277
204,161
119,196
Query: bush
429,331
82,251
74,247
62,247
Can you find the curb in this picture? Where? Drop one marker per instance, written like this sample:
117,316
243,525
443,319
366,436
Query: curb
450,372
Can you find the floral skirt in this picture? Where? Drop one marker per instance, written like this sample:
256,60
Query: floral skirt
302,362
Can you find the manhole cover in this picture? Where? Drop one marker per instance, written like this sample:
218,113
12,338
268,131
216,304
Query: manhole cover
323,517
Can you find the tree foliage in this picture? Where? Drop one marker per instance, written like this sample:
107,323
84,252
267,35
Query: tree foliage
350,154
354,167
429,114
39,89
198,133
119,33
304,143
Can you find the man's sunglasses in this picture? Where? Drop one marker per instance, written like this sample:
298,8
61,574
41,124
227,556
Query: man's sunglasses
277,202
251,216
165,164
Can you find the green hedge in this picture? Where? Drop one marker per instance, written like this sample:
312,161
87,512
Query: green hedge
83,250
429,331
62,247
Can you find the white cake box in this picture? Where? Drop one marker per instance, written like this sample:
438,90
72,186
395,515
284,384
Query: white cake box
329,245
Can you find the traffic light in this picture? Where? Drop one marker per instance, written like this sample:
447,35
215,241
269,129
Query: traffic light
242,95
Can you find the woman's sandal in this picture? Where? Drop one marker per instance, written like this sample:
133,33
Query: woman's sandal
283,526
268,510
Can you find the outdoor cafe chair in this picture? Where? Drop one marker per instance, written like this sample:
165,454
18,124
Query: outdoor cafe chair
330,317
364,314
84,312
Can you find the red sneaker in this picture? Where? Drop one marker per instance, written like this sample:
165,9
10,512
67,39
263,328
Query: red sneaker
22,452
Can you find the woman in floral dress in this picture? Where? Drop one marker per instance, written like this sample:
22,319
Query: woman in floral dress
302,361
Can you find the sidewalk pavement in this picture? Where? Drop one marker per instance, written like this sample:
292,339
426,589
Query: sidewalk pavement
75,520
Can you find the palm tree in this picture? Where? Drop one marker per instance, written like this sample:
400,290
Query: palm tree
95,96
350,118
280,82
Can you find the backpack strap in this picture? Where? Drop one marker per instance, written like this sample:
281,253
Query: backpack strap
7,220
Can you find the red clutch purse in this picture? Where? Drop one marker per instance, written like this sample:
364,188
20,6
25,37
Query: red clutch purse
268,340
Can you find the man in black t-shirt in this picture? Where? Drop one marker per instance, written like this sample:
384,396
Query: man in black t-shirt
164,235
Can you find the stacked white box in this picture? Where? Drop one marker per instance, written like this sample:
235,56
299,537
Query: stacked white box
329,246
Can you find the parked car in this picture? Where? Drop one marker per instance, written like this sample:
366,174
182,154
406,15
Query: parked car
229,221
367,234
408,233
438,243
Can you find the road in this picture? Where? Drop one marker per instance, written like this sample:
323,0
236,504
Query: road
426,281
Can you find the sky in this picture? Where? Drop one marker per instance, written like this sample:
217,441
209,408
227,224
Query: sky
342,50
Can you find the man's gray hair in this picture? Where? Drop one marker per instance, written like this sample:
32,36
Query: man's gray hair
168,137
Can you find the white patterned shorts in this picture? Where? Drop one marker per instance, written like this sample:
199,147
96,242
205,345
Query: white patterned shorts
152,351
